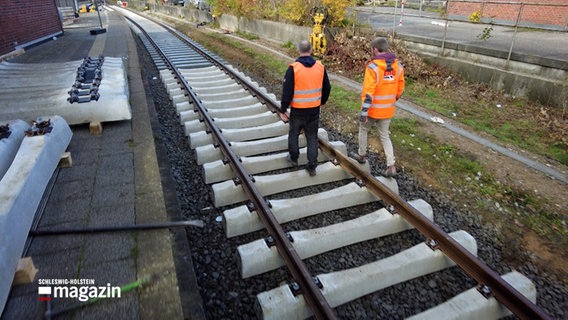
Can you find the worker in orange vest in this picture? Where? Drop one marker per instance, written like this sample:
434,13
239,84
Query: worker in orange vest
383,85
305,89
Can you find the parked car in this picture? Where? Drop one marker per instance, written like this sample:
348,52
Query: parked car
176,2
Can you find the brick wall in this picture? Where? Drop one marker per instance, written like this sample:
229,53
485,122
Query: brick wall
534,12
25,21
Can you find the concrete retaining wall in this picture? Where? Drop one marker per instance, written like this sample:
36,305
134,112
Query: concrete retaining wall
179,12
536,78
277,31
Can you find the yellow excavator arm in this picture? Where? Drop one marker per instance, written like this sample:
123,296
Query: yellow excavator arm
317,38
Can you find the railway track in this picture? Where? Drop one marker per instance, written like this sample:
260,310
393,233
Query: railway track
239,144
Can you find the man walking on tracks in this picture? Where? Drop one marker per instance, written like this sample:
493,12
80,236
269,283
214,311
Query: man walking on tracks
306,88
383,85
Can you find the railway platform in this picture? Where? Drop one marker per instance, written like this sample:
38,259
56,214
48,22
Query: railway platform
114,182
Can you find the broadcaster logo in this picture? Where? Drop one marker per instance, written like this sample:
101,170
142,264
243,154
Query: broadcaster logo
80,289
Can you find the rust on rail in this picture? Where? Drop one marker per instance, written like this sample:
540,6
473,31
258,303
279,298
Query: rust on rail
475,268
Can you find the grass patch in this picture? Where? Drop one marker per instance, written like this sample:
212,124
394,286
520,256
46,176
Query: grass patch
345,100
459,175
509,122
272,65
248,36
288,45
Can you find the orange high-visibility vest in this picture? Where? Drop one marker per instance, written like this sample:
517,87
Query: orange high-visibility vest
308,84
386,84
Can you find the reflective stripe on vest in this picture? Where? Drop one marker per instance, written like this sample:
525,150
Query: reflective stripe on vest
308,84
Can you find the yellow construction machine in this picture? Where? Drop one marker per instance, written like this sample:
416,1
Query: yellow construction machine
88,8
317,38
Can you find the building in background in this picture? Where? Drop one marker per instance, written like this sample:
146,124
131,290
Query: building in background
547,14
27,23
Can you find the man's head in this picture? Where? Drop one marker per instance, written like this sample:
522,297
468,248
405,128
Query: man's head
305,48
381,44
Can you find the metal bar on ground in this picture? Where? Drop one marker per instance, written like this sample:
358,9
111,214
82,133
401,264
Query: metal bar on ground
133,227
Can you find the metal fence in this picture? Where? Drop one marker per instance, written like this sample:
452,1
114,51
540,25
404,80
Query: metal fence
486,21
547,15
551,14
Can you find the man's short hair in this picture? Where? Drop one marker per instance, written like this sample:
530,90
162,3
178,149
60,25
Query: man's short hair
304,46
380,43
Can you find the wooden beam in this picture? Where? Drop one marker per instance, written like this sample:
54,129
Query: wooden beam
96,128
25,272
65,161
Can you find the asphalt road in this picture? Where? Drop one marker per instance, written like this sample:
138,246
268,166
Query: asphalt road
540,43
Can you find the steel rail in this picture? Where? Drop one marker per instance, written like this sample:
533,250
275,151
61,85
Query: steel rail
308,288
489,282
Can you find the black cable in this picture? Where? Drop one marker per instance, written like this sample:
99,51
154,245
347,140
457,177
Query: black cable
134,227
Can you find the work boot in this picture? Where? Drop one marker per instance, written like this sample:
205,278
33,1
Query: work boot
311,171
361,159
390,171
294,163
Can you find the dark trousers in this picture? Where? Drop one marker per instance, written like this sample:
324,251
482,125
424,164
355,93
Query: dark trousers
310,124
